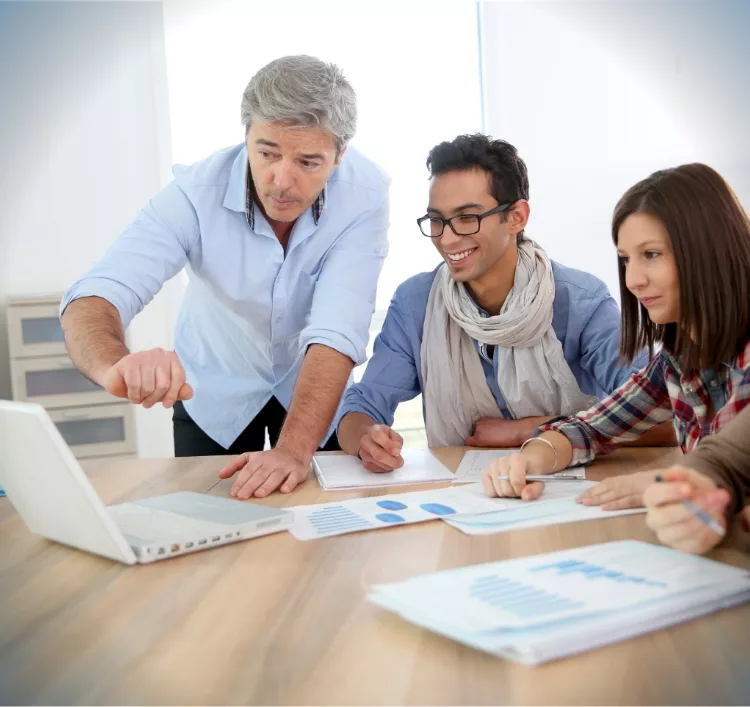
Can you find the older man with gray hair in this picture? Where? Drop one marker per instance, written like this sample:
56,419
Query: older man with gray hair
283,238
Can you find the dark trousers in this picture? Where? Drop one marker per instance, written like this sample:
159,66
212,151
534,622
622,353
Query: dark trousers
191,441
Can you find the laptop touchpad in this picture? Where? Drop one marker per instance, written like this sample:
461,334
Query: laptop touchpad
212,508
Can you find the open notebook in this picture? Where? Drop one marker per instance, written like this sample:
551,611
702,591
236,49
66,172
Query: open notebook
535,609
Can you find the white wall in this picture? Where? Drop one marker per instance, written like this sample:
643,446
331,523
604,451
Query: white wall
84,140
413,63
597,95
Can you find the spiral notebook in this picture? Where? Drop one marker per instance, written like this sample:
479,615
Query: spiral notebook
536,609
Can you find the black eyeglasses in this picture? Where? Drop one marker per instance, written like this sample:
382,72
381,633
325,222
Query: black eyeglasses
461,224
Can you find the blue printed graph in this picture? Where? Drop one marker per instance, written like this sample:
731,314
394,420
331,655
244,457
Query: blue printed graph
330,520
523,600
392,505
337,519
438,509
595,572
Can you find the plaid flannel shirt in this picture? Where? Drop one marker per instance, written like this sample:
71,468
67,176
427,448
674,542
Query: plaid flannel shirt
654,395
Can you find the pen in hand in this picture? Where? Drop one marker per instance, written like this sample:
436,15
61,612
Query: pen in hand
698,512
546,477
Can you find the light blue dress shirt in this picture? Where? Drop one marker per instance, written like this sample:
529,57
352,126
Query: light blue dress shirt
250,310
585,319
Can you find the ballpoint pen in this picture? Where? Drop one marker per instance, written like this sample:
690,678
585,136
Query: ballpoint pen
546,477
698,512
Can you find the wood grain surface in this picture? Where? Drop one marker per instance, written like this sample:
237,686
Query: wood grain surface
278,621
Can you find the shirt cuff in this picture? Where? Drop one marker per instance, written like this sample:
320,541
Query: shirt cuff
336,341
583,452
721,479
365,409
107,290
354,402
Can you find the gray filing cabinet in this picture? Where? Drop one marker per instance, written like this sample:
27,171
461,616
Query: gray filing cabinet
92,422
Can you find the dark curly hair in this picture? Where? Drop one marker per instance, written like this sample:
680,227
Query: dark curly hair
508,176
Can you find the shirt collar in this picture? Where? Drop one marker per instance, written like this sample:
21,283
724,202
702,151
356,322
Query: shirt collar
234,198
239,194
316,208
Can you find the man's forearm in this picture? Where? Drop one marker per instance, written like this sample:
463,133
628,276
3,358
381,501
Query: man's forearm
94,336
352,428
319,388
527,426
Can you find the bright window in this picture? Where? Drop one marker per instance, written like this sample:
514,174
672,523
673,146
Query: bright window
414,65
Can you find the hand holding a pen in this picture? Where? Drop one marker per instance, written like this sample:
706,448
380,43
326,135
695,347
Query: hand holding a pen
514,476
380,449
523,475
686,510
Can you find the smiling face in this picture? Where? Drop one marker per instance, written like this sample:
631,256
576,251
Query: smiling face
477,257
644,247
289,166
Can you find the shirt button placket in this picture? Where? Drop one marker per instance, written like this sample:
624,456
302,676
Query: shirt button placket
277,309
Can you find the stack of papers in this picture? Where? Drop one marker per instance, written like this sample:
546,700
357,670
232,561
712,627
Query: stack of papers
343,471
475,461
535,609
556,506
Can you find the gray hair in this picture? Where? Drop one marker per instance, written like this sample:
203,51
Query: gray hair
302,90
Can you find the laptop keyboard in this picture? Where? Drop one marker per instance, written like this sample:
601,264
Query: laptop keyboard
162,526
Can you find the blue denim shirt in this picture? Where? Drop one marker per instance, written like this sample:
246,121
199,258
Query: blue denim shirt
251,310
586,320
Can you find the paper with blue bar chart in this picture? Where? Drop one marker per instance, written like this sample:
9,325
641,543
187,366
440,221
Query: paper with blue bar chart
326,519
537,608
556,506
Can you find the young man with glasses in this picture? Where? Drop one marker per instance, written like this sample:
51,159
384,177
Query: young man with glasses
498,338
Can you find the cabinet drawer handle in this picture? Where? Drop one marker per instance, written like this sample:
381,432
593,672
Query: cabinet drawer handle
76,415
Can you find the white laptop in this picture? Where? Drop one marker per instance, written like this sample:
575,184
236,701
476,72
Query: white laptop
48,488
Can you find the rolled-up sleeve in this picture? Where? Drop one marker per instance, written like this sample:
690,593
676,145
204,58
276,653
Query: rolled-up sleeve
635,407
344,297
153,248
391,376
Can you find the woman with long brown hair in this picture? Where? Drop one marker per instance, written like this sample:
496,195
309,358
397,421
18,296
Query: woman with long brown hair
683,245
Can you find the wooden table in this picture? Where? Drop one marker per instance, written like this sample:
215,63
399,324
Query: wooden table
278,621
